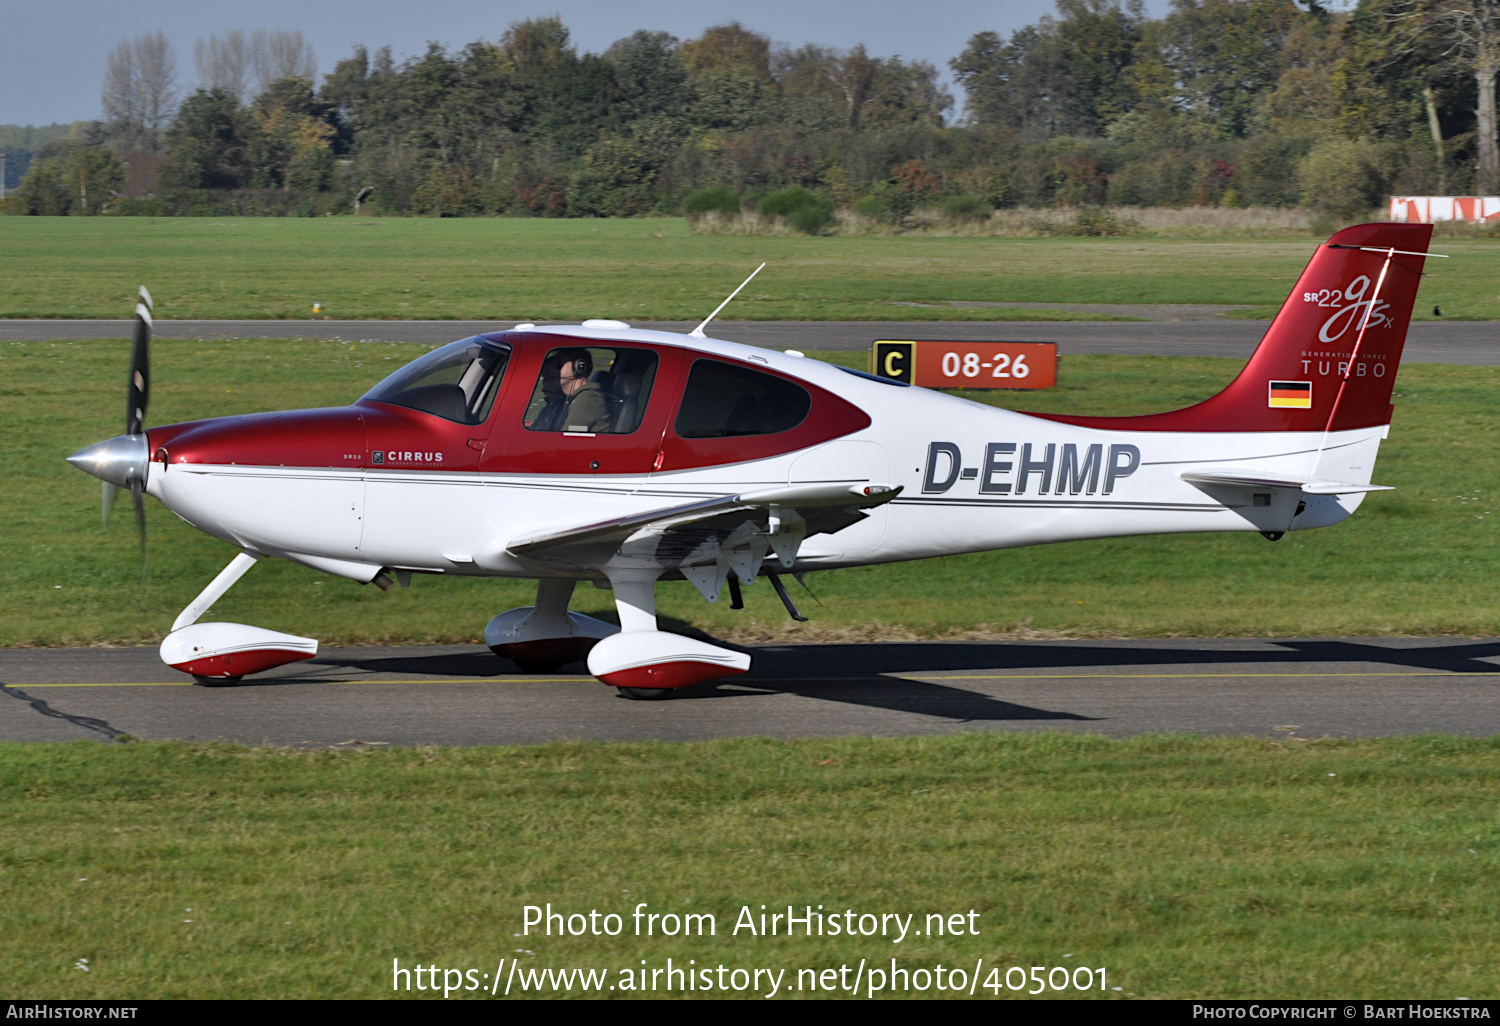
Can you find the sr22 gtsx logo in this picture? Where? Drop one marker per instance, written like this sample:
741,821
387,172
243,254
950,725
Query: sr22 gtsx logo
1348,305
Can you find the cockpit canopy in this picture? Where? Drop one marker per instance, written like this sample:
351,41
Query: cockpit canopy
457,382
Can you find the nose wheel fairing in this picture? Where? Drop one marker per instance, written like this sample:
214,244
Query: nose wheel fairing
232,649
228,651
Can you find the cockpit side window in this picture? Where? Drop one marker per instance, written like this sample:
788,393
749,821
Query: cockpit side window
723,400
592,390
457,382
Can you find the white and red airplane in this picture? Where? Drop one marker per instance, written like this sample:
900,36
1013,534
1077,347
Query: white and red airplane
622,457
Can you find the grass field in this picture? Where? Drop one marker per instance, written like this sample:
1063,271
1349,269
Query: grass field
510,269
1187,868
1423,559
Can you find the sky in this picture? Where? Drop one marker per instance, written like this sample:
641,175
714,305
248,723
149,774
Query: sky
52,55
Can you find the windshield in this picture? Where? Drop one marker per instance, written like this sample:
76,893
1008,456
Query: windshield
456,382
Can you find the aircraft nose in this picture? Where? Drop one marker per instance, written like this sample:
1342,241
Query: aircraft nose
119,460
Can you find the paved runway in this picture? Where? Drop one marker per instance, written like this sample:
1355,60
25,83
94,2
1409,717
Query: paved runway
1470,342
463,695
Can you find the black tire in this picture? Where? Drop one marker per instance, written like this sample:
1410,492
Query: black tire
644,694
216,682
538,665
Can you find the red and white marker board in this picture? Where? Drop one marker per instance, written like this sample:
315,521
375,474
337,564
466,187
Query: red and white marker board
966,364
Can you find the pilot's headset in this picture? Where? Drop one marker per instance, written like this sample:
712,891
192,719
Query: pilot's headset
583,363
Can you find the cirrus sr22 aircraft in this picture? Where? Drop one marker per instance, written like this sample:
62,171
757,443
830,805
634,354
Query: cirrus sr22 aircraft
621,457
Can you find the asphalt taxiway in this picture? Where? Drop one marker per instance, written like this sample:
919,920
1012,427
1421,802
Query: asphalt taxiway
1192,332
463,695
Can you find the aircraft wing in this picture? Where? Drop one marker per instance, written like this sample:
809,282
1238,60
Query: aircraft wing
705,540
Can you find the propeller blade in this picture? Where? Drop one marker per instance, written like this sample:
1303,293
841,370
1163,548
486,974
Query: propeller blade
138,387
109,500
137,399
138,500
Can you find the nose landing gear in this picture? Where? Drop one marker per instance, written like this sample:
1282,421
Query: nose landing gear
220,654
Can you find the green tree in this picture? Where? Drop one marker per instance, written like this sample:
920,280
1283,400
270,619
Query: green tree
1064,76
651,74
43,192
729,48
731,101
1305,97
1472,32
1345,177
446,192
1397,79
293,145
463,111
905,93
344,92
68,178
209,145
1227,55
864,91
569,98
807,78
614,181
1099,39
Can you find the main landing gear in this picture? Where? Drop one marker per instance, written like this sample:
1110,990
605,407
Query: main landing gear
644,662
639,660
541,638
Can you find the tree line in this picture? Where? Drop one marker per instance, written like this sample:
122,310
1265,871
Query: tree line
1219,102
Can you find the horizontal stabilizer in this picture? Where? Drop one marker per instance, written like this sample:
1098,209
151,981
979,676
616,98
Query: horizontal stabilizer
1308,485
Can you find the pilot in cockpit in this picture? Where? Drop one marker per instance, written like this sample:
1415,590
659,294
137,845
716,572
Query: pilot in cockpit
573,402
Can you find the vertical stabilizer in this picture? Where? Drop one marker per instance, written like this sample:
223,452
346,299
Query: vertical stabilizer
1293,377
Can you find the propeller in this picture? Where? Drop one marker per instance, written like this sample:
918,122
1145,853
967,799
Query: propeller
125,460
137,398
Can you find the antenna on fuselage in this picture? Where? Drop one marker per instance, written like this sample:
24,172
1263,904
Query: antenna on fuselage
698,331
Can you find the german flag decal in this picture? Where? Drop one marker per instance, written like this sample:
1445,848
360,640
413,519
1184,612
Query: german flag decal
1296,395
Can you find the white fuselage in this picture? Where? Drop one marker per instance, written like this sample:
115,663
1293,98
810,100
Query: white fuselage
973,478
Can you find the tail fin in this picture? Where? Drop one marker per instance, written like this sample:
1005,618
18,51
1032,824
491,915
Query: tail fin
1293,377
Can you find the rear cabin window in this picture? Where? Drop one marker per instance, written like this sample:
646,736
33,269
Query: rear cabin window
723,400
592,390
